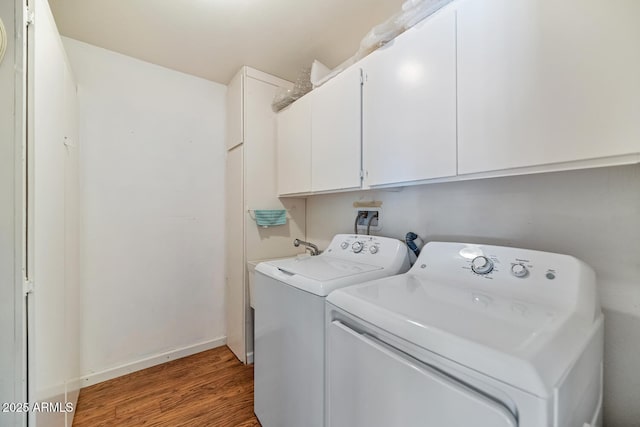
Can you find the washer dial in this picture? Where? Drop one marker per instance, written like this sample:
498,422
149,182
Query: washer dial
357,247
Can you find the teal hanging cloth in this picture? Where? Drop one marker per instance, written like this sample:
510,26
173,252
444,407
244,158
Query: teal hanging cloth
270,217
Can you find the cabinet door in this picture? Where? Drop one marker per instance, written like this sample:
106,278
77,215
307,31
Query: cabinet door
234,251
335,133
409,105
235,110
294,147
547,82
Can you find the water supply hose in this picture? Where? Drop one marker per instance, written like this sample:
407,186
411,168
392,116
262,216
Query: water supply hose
355,225
369,223
411,244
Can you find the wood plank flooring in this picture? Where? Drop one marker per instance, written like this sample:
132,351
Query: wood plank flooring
211,388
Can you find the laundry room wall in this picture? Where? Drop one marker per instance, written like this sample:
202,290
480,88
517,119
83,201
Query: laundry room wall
152,227
591,214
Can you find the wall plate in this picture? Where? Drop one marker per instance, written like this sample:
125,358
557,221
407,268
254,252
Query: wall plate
363,221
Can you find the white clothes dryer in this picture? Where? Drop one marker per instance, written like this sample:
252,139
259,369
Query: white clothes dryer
290,322
472,335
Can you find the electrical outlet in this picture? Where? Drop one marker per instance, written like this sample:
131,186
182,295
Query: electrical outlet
369,214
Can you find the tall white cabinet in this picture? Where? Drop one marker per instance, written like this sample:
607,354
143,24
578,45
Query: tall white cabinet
251,183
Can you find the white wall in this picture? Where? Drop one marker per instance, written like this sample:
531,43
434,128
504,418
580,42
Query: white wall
591,214
152,217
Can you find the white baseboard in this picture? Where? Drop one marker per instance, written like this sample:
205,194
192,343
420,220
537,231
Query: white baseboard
147,362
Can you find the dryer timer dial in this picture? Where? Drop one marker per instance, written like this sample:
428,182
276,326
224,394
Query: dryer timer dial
519,270
481,265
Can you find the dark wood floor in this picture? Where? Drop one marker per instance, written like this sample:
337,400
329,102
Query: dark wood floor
211,388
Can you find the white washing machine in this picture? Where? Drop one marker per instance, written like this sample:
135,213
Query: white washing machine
290,323
472,335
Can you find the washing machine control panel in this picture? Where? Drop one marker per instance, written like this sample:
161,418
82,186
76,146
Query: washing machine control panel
367,249
358,244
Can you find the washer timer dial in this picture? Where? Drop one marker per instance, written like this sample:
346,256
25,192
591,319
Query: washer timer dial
481,265
357,247
519,270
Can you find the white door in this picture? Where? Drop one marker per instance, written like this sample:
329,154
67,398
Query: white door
409,105
54,365
335,133
373,385
234,253
12,356
546,82
294,147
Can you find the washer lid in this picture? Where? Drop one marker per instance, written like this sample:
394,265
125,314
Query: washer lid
320,274
523,344
322,269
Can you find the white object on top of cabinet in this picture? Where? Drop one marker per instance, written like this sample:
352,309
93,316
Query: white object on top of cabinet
541,83
336,133
294,147
409,105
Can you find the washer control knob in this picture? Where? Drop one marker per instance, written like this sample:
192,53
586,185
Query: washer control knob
481,265
357,247
344,245
374,249
519,270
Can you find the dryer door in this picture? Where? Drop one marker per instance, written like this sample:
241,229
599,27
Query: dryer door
372,385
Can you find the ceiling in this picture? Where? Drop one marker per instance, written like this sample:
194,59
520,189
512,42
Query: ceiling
214,38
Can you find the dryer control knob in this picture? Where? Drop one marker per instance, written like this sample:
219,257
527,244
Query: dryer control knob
519,270
357,247
374,249
344,245
481,265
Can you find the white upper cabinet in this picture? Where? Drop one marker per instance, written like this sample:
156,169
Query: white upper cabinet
235,113
335,129
409,105
294,147
547,82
